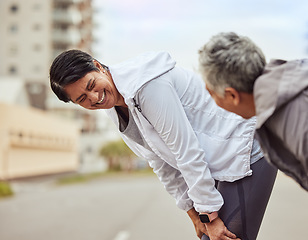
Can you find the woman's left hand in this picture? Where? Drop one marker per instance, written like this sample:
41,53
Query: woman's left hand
218,231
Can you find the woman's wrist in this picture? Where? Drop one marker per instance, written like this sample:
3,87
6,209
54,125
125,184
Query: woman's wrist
193,214
208,217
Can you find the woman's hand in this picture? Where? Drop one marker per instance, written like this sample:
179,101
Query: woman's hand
218,231
215,230
199,226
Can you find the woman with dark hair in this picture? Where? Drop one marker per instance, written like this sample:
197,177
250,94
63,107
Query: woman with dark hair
206,157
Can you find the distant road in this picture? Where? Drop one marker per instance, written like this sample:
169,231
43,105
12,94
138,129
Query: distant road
129,208
126,208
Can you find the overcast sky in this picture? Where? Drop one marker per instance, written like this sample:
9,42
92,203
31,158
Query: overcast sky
127,28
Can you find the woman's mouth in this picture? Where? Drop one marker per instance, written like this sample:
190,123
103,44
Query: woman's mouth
102,99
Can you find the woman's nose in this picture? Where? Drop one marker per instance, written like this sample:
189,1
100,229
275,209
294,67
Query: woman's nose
93,97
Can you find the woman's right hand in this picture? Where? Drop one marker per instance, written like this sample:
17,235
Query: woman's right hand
218,231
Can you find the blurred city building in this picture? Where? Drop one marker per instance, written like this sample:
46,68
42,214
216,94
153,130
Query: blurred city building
32,142
32,34
12,91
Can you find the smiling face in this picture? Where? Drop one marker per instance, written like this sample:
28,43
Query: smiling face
96,90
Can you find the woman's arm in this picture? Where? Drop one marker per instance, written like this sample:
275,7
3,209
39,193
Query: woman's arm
171,178
173,181
162,107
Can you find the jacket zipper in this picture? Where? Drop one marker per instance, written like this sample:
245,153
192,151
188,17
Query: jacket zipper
137,105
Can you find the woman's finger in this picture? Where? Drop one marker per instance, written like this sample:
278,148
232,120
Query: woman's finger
230,235
228,238
200,234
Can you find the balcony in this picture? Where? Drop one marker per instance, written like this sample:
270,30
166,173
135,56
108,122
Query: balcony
69,16
69,36
68,1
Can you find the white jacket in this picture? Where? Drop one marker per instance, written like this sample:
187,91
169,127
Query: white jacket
193,141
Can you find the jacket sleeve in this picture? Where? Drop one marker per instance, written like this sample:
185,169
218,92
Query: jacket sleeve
162,107
289,125
173,182
170,177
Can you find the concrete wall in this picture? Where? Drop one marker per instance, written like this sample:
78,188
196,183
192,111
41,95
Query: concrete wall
33,142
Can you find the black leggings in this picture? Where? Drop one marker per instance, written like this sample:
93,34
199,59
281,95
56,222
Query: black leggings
245,200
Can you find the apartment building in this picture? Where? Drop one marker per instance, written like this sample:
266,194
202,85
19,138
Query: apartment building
72,25
32,33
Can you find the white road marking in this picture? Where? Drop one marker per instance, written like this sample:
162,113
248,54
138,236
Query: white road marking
123,235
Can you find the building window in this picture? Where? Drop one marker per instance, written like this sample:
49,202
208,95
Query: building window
37,47
14,8
35,89
13,50
13,28
37,68
37,27
37,6
12,70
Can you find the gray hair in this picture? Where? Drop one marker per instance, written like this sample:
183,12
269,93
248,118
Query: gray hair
230,60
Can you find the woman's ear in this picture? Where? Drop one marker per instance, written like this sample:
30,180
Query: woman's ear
232,96
97,64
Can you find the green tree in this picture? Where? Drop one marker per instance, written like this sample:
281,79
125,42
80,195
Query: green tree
5,189
118,155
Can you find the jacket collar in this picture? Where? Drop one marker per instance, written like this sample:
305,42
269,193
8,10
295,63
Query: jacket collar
131,75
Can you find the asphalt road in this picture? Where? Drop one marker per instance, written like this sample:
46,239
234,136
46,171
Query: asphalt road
126,208
129,208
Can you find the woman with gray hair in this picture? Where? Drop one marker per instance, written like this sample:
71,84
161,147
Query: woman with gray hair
240,81
206,157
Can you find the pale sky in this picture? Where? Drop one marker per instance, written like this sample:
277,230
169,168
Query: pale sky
127,28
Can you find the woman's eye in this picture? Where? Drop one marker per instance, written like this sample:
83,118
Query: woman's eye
92,85
82,100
